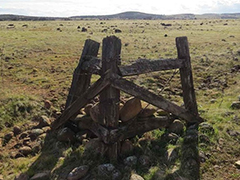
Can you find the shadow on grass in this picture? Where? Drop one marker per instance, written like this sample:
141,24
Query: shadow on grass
61,158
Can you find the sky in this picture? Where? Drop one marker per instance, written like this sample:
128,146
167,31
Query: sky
66,8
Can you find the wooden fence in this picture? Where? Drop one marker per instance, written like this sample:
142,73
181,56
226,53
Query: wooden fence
111,82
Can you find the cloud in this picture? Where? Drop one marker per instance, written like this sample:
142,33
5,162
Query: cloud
95,7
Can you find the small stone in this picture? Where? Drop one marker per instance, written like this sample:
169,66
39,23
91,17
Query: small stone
136,177
36,132
43,122
66,135
176,127
78,172
8,137
130,109
47,104
106,171
235,105
95,146
130,161
25,150
23,135
41,176
46,129
16,130
22,176
127,147
144,161
237,164
206,128
172,154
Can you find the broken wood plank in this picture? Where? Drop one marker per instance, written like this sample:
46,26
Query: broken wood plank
81,78
189,97
146,66
156,100
81,101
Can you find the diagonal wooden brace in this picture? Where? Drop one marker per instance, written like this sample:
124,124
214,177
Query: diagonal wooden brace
80,102
156,100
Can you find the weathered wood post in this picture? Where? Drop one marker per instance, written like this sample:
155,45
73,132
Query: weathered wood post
109,98
81,79
190,163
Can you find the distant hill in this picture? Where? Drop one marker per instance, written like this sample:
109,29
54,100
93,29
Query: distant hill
125,15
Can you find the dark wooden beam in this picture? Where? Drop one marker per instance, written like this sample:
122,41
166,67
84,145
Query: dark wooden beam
81,78
143,66
189,97
110,97
156,100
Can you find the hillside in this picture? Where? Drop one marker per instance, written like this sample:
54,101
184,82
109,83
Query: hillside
124,15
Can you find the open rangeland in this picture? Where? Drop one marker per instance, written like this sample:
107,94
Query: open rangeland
37,60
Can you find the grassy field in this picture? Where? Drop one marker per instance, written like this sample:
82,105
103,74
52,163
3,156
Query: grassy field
37,60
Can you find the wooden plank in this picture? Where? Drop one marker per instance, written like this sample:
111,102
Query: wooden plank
125,131
154,99
110,97
189,97
146,66
81,101
190,103
81,78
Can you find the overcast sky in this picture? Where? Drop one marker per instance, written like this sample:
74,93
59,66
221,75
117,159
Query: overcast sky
66,8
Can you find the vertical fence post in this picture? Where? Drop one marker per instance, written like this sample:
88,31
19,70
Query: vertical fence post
190,163
81,80
109,98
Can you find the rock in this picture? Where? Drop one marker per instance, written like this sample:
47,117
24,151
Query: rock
95,112
144,161
66,135
130,161
206,128
47,104
130,109
78,172
172,154
36,132
136,177
233,133
7,137
118,31
25,150
127,147
176,127
16,130
87,109
43,122
147,112
23,135
237,164
95,146
84,29
108,171
41,176
22,176
235,105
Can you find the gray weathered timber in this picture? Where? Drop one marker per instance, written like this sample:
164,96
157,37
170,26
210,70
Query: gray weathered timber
186,75
81,101
143,66
125,131
110,97
154,99
81,78
190,103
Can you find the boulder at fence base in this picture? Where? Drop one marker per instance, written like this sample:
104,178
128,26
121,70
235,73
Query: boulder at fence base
130,109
